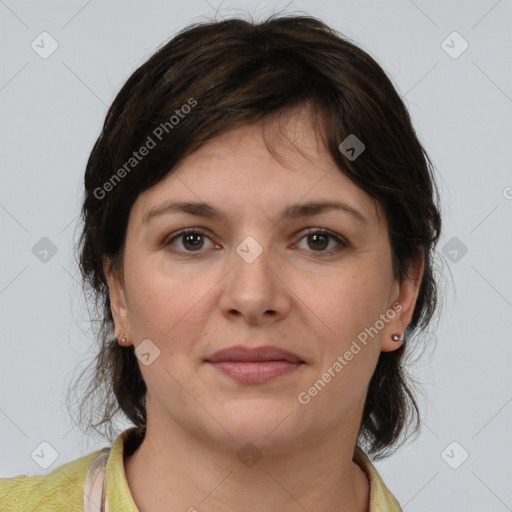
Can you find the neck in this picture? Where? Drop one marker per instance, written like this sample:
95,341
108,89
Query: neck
173,470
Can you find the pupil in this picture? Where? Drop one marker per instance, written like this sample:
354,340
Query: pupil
195,244
316,238
195,240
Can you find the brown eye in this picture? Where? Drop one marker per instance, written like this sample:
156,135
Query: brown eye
318,240
192,240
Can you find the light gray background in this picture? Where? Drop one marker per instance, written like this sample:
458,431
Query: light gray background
52,111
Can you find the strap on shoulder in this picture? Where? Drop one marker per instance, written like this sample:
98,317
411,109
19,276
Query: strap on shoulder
94,491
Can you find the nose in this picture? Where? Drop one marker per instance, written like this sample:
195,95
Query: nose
254,290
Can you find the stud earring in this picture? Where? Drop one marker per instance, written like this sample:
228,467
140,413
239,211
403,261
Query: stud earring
396,337
123,340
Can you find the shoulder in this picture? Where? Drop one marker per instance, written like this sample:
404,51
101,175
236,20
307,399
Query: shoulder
381,498
60,489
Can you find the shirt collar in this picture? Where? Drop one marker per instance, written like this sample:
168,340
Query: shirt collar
381,498
120,496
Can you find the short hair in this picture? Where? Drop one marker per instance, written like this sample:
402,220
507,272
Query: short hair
215,76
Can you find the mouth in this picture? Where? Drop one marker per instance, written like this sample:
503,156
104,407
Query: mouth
255,365
241,353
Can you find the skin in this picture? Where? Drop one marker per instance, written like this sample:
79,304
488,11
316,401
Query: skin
191,304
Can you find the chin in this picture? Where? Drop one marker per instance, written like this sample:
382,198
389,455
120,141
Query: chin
263,422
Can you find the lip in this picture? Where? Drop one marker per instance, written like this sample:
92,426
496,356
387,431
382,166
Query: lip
255,372
254,365
241,353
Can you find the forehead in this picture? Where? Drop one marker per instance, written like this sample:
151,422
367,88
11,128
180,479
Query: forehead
260,168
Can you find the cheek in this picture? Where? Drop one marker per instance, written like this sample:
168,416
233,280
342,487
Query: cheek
352,299
347,353
163,301
349,304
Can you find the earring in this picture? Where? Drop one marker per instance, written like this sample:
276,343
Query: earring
123,340
396,337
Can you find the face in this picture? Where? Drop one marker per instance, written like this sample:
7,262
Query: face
313,283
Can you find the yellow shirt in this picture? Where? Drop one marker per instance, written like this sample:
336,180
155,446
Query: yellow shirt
63,488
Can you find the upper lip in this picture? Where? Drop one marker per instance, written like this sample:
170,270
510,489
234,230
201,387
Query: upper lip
248,354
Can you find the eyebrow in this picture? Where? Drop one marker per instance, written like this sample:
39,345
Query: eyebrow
296,211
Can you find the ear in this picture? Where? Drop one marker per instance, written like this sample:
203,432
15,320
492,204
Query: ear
403,301
118,303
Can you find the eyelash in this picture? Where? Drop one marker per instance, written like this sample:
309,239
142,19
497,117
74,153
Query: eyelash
342,244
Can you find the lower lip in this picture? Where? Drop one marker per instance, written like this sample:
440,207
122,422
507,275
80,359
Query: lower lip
255,372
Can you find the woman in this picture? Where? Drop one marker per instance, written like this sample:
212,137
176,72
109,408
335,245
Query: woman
259,230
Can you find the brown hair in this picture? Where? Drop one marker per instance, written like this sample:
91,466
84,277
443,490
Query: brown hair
218,75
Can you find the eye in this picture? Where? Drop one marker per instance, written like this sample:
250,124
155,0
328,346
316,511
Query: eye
192,240
319,240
